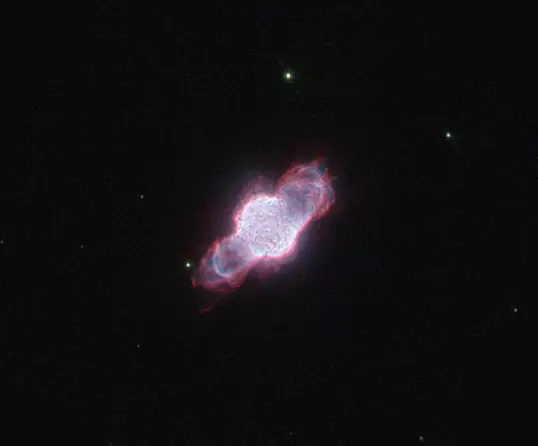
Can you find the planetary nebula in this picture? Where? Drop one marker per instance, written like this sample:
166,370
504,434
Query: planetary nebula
266,228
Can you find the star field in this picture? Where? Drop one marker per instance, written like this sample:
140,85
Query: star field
403,318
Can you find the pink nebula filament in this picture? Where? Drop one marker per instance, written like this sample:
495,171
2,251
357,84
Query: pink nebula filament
266,228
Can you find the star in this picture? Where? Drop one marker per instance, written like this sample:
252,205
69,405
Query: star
448,135
141,196
421,438
188,264
515,310
1,242
81,246
288,75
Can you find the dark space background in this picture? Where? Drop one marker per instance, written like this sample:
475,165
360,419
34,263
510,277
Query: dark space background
403,319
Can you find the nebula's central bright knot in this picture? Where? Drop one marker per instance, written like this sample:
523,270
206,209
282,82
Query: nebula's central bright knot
267,227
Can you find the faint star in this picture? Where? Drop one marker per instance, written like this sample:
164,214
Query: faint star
421,438
137,345
516,310
448,135
141,196
81,246
1,242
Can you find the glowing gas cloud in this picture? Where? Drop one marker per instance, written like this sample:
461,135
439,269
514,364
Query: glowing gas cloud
266,228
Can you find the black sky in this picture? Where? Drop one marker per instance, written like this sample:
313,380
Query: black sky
403,319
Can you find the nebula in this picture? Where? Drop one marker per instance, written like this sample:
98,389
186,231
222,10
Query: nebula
266,228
